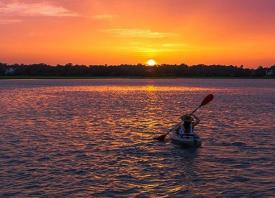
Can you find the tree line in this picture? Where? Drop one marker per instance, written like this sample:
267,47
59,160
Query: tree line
139,70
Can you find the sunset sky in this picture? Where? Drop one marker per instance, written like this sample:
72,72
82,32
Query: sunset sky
240,32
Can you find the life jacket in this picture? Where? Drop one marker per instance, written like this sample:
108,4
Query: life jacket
182,131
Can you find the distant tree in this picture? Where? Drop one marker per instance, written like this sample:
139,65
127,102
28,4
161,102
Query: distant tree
260,72
138,70
2,69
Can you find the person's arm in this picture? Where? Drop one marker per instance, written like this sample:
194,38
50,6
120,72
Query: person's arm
197,120
175,127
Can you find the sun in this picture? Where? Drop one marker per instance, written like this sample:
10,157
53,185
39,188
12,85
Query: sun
151,62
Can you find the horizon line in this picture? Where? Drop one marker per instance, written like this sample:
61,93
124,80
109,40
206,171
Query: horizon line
139,64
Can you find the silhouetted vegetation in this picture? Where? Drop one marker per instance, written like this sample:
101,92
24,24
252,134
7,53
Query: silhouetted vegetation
70,70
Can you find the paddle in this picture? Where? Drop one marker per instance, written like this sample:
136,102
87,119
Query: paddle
205,101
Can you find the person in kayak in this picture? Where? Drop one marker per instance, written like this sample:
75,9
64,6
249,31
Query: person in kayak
186,127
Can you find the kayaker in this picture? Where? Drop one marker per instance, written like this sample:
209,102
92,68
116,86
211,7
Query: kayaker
187,125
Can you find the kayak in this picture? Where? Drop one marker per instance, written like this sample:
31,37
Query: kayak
190,140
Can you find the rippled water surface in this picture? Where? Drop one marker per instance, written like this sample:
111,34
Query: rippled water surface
94,138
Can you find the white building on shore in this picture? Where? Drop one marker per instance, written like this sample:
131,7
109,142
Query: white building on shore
10,71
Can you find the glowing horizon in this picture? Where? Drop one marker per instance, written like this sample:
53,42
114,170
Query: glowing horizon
130,32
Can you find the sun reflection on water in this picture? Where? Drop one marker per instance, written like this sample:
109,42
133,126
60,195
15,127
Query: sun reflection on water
146,88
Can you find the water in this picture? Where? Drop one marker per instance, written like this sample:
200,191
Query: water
93,138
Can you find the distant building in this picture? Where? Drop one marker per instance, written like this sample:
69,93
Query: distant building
10,71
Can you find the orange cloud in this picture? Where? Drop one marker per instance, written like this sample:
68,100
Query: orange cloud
35,9
104,16
139,33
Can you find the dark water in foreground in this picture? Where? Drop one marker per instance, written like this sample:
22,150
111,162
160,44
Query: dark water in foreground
93,138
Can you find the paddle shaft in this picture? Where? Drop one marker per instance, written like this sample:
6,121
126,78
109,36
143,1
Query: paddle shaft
196,110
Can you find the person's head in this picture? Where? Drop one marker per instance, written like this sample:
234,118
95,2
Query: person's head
187,119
